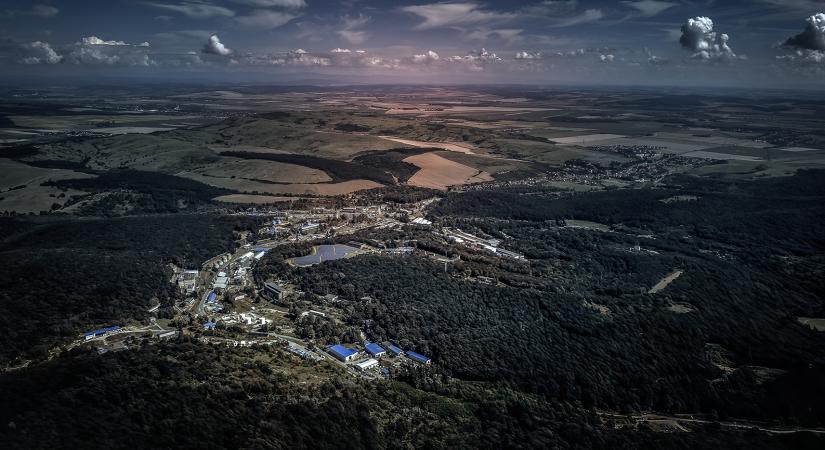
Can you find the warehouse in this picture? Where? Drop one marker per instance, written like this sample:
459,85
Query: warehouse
367,365
393,349
418,357
221,281
93,334
374,349
342,353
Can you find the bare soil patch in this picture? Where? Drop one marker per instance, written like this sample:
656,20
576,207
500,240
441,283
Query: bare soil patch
439,173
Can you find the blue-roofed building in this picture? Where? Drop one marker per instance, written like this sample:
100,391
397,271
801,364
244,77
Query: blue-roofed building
261,249
396,351
209,326
95,333
212,297
342,353
418,357
374,349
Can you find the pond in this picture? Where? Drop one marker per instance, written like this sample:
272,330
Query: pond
321,253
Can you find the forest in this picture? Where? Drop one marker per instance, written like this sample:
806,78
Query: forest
577,324
337,170
142,193
258,398
87,273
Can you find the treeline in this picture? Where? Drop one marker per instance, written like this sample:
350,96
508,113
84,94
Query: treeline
146,192
337,170
392,161
59,278
196,396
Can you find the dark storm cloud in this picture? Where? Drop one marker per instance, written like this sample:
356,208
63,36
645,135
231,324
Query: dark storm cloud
813,37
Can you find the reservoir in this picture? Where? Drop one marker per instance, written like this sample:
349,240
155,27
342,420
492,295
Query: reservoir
321,253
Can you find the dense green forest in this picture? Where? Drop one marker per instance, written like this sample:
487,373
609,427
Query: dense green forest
59,277
189,395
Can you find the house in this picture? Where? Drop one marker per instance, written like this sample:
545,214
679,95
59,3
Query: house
374,349
418,357
342,353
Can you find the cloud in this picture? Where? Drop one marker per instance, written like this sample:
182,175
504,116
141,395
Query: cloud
813,37
698,36
799,5
264,18
506,34
649,8
340,50
214,46
292,4
354,36
425,58
94,40
437,15
654,60
607,58
350,29
590,15
804,56
196,10
528,55
39,52
45,11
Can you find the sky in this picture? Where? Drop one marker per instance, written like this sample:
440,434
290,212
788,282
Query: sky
742,43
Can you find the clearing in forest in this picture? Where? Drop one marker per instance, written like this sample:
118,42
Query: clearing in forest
664,282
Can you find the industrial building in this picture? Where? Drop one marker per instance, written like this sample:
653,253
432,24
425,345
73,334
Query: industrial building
367,365
221,281
422,221
396,351
167,334
95,333
274,291
310,226
342,353
418,357
374,349
187,281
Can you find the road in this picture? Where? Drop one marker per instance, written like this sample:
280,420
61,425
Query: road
742,425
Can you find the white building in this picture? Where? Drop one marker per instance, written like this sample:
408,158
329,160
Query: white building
367,365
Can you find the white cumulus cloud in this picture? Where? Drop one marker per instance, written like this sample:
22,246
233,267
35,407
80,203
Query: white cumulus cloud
214,46
699,37
39,52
